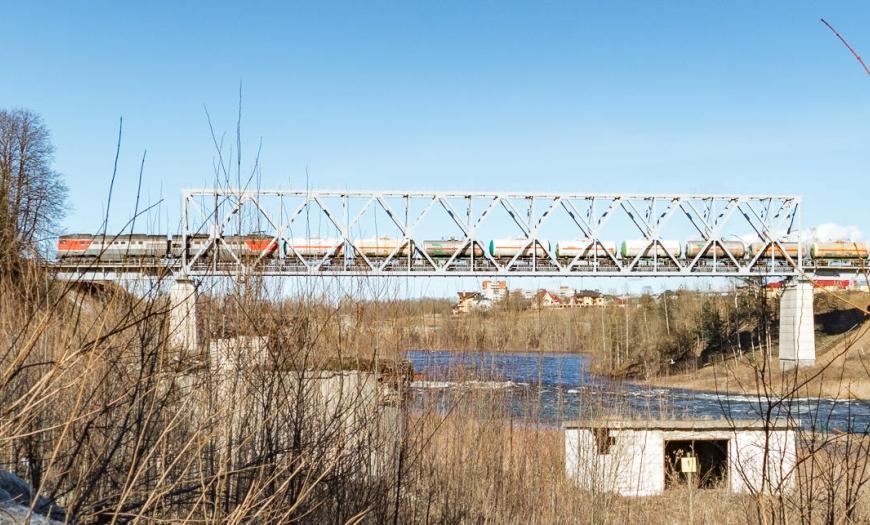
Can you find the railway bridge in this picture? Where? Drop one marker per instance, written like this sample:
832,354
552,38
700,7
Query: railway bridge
304,233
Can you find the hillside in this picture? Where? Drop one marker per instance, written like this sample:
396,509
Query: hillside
842,370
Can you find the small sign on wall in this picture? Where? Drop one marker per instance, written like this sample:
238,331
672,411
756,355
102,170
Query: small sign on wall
689,464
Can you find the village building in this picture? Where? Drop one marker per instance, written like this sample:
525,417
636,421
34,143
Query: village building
528,295
546,299
469,301
495,290
647,457
585,298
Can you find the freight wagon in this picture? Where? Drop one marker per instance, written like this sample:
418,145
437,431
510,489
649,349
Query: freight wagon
444,249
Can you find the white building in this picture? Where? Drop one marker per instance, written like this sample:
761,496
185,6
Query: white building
645,457
495,290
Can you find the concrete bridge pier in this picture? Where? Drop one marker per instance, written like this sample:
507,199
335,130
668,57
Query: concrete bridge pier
182,315
797,338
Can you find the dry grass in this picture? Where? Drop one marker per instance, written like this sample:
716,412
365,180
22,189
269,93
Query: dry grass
103,416
478,469
109,421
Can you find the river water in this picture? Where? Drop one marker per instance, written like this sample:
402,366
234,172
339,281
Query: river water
553,388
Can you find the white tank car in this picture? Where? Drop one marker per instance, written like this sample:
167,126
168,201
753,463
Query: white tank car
383,246
633,247
313,247
736,248
505,248
585,248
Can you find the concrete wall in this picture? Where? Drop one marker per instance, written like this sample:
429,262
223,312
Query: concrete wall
797,337
350,413
747,468
237,353
635,464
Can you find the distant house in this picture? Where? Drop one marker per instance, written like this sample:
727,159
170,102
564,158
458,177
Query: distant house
585,298
469,301
546,299
466,302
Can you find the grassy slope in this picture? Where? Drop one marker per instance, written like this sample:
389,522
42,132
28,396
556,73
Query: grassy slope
842,370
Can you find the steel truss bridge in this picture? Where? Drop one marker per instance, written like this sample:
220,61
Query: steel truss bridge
535,220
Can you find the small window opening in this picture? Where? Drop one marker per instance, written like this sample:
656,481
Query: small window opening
700,463
603,440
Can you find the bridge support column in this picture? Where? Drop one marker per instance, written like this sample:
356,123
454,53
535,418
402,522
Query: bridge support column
797,337
182,315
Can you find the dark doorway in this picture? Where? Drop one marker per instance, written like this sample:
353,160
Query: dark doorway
711,460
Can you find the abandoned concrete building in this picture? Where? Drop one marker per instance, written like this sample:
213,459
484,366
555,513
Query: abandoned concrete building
646,457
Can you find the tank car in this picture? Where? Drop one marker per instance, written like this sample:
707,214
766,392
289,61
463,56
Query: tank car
444,249
694,247
632,248
383,247
509,248
585,249
839,250
791,248
314,247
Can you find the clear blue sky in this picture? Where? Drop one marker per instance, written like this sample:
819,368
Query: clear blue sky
598,96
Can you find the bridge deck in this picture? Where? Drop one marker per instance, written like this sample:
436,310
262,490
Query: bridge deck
103,271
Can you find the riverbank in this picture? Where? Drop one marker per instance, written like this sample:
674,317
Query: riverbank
842,371
553,388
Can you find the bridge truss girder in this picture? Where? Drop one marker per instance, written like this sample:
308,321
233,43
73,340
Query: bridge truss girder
210,214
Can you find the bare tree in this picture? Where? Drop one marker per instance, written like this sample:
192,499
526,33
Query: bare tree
32,193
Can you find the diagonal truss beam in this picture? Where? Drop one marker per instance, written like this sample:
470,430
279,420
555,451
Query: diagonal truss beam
712,219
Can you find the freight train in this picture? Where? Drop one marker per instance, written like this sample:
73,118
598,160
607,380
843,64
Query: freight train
152,248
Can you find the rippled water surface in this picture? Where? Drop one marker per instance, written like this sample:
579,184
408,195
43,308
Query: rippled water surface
559,387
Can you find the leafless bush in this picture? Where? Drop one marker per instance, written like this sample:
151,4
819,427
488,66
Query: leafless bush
103,416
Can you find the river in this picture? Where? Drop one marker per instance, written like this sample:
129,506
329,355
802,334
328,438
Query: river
553,388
